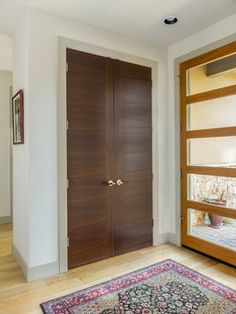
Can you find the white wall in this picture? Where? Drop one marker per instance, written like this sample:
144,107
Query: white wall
5,144
206,40
40,83
6,58
21,235
6,53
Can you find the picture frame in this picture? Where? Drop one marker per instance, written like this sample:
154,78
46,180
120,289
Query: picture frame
18,117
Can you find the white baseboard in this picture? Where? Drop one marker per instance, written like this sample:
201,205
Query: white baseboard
43,271
21,262
5,220
161,239
174,238
37,272
47,270
165,238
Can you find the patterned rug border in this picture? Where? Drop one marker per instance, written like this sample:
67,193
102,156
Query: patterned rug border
229,293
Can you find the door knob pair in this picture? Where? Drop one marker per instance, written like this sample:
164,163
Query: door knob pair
118,182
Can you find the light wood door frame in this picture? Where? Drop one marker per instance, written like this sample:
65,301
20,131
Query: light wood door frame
195,243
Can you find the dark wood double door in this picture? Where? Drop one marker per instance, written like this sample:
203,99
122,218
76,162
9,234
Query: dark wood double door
109,152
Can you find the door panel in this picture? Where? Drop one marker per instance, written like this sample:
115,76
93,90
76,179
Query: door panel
89,151
208,159
109,138
133,156
136,161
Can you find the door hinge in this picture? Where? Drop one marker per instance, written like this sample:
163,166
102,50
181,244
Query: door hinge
180,78
181,173
67,125
68,183
68,242
67,67
152,223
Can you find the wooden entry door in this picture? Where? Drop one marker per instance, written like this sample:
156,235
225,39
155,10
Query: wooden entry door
208,155
109,157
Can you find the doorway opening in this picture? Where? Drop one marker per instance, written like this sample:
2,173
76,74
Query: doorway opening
5,162
208,154
7,260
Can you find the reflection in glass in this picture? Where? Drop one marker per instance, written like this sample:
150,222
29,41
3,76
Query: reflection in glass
215,74
212,228
214,190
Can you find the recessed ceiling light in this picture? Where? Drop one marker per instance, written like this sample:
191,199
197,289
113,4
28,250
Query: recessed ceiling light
170,20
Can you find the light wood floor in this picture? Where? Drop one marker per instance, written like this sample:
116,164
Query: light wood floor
19,297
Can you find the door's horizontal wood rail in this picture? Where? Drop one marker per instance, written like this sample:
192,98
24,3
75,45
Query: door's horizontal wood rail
211,56
212,94
210,248
216,132
213,171
214,209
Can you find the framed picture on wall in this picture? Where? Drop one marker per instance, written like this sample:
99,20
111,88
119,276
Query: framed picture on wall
18,117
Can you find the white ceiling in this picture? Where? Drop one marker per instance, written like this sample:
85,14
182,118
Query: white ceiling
138,18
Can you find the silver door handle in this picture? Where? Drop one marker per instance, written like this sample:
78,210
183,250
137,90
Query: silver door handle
111,183
119,182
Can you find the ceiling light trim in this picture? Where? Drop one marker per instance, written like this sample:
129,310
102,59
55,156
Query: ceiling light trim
170,20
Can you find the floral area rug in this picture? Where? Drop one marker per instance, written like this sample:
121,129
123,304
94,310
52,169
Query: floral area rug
166,287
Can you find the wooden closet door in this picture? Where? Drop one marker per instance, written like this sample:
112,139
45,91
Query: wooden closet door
89,151
133,151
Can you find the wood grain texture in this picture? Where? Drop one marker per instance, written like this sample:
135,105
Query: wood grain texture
211,55
109,138
89,153
183,151
211,171
211,94
214,209
19,297
133,157
216,132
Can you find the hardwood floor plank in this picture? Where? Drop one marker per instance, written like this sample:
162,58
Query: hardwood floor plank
19,297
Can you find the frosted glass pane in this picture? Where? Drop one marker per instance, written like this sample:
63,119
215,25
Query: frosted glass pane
213,113
216,152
